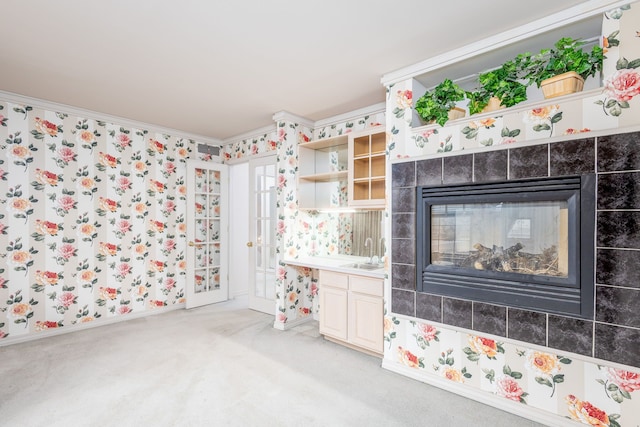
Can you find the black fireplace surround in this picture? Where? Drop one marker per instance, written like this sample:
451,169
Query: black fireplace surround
499,273
613,332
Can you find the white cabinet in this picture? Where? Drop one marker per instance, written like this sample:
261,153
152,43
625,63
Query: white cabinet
351,310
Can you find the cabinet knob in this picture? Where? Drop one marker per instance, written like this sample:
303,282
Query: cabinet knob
249,244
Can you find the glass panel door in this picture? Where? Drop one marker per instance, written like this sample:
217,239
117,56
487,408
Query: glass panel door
206,233
262,229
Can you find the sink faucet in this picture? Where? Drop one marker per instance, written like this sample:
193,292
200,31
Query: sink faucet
368,243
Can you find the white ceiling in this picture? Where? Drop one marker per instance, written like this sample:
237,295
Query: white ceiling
222,68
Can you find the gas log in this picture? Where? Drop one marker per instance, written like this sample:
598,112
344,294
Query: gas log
512,259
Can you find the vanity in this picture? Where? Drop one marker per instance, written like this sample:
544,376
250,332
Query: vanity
351,308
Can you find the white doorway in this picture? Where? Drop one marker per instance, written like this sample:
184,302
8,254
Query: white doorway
262,243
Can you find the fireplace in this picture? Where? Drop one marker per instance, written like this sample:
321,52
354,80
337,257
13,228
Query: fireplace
521,243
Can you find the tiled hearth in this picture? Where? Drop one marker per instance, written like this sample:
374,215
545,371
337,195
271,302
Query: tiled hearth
614,332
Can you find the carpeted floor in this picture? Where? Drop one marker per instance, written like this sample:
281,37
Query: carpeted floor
219,365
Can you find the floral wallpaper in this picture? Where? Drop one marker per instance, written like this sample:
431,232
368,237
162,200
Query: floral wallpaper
301,233
572,387
92,220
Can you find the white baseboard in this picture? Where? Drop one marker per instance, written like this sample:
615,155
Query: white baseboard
288,325
533,414
89,325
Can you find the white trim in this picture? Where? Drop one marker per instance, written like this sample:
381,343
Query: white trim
557,20
352,115
285,115
95,115
250,134
89,325
288,325
482,396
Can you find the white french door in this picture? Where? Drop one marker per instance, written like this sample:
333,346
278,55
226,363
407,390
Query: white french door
262,234
207,230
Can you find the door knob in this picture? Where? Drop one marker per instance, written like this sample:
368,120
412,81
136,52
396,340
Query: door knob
249,244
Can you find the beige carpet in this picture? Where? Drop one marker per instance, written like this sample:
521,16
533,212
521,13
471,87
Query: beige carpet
220,365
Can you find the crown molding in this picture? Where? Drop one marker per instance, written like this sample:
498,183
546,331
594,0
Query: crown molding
250,134
551,22
95,115
290,117
351,115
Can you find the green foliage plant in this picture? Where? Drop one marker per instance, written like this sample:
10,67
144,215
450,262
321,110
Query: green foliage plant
504,83
435,104
566,55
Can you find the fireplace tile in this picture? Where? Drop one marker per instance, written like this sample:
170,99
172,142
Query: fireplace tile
618,344
618,268
457,312
429,172
458,169
403,225
403,251
403,276
619,152
490,166
529,162
618,306
429,307
403,302
569,334
403,199
527,326
576,157
403,174
619,190
617,229
490,318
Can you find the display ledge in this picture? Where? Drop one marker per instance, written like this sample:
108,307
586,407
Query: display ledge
338,264
516,109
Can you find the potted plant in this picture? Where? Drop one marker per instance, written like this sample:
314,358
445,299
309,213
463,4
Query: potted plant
435,104
502,87
565,61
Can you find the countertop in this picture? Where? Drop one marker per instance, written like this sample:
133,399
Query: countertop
337,263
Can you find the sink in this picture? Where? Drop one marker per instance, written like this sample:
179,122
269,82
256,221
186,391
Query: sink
363,266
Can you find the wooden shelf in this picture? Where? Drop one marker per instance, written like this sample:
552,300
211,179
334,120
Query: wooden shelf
326,177
319,144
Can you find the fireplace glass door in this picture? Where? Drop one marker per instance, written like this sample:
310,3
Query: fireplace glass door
523,237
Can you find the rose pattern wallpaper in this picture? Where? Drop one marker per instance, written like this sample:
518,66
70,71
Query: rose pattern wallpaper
573,388
92,220
301,233
585,392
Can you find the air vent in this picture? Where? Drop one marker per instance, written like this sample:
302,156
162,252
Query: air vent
208,149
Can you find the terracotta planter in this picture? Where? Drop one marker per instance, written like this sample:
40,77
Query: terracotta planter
562,84
457,113
493,105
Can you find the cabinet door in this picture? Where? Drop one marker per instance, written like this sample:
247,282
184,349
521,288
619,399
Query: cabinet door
367,168
333,312
366,321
